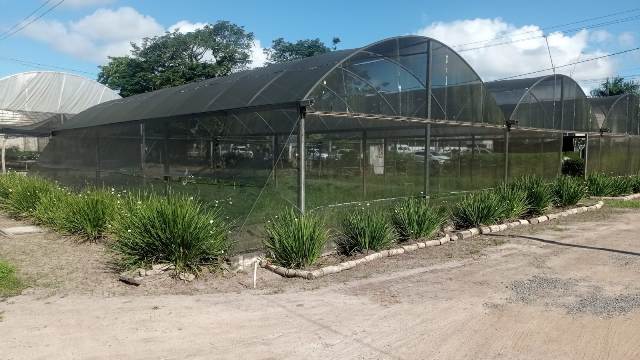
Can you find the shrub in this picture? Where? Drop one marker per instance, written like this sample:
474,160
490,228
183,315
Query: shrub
514,200
294,240
599,184
8,183
635,184
539,194
365,230
416,218
567,191
25,195
573,167
172,229
9,282
621,185
482,208
52,208
88,214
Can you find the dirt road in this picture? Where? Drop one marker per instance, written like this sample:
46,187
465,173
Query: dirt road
568,290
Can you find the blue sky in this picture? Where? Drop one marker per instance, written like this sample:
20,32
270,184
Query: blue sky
79,34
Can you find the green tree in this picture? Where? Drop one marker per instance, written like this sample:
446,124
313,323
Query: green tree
177,58
616,86
284,51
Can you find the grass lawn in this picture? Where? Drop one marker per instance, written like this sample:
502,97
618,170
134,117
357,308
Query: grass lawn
9,283
623,204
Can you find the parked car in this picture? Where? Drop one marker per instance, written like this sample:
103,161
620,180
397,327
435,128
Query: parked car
440,158
242,151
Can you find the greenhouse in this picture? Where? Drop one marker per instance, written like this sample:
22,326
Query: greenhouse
618,119
402,117
33,103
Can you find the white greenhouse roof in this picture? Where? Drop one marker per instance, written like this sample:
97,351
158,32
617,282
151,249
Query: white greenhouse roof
51,92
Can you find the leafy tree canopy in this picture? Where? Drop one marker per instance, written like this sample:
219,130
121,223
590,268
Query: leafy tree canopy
284,51
616,86
177,58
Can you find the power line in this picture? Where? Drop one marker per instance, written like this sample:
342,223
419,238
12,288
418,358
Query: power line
570,64
549,27
26,18
599,80
569,31
45,66
15,31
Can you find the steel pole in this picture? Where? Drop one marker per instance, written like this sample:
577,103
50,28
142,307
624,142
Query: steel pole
301,161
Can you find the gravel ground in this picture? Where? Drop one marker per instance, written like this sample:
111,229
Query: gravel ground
600,304
537,288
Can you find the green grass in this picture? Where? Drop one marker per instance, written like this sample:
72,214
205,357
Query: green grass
416,218
365,230
623,204
173,229
10,284
294,240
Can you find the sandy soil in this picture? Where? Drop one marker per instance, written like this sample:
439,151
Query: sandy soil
566,290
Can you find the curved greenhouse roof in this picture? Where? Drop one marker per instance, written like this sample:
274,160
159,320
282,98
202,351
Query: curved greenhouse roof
388,78
617,114
35,97
548,102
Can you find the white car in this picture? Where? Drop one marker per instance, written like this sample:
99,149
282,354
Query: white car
441,159
242,151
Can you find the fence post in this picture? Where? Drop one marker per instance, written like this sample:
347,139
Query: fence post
586,156
301,160
427,160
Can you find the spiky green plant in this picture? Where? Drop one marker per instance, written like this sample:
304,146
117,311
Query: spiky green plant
172,229
539,193
621,185
415,218
8,183
52,208
482,208
635,184
294,240
89,214
567,190
365,230
514,200
599,184
25,195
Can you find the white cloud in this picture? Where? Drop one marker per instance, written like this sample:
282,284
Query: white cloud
524,56
185,26
258,57
601,36
99,35
86,3
627,39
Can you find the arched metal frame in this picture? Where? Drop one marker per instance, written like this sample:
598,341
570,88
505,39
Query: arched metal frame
402,117
551,110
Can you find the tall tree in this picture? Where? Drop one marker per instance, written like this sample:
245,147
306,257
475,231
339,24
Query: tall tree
284,51
177,58
616,86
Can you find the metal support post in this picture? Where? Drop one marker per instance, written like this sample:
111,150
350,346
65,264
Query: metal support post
301,160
